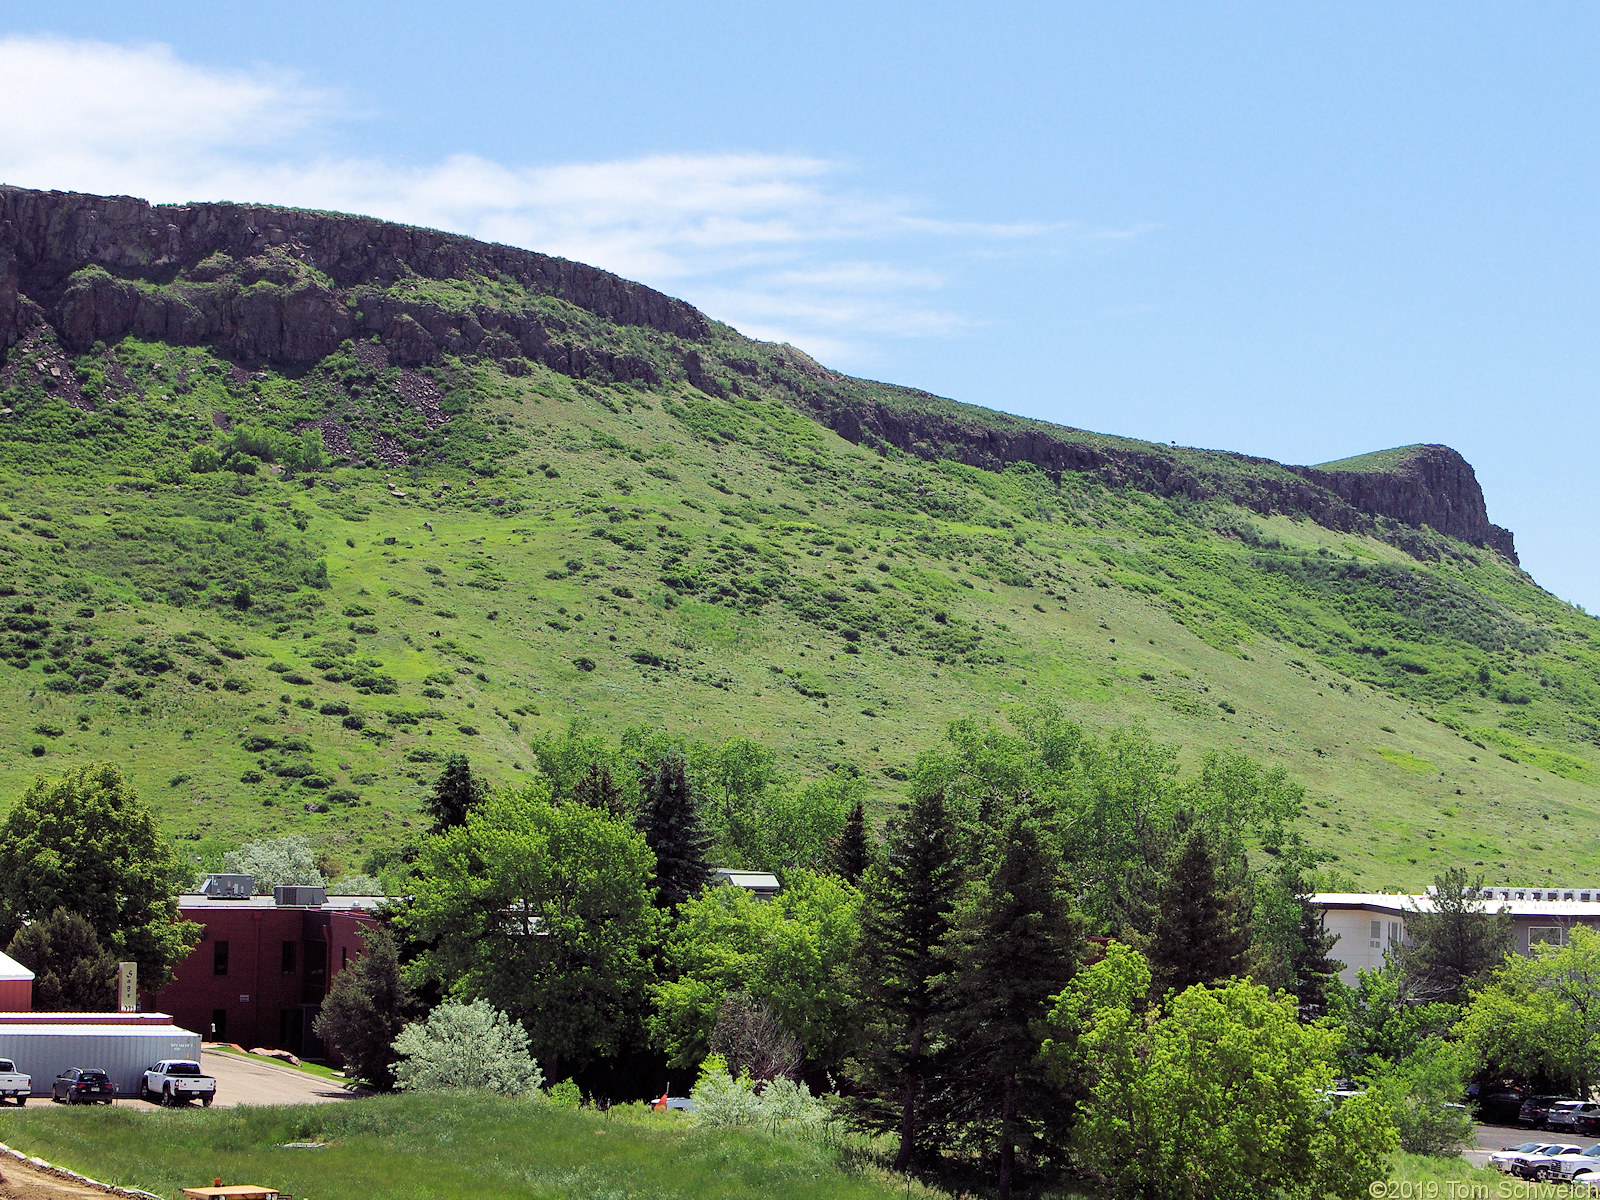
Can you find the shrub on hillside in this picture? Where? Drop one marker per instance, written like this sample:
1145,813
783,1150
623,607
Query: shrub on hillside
466,1046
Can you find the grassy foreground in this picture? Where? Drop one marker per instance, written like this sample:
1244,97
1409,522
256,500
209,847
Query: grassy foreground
418,1147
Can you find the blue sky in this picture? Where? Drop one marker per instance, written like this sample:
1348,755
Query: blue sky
1298,231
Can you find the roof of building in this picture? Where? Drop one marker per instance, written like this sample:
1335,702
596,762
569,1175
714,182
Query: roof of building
11,971
746,879
193,900
1519,903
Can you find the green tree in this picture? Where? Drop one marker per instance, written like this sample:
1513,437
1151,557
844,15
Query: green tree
543,910
850,853
87,843
466,1046
203,460
1214,1091
797,825
367,1007
456,792
672,828
1540,1016
790,954
1013,947
598,789
909,901
1383,1024
1200,934
1455,942
1426,1093
72,971
276,862
735,776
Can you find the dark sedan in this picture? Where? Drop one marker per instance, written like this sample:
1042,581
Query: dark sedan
79,1085
1535,1110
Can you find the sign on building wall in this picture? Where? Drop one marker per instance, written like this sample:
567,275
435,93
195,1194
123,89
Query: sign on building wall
127,987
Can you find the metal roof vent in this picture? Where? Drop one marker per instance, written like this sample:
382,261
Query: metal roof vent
285,896
228,887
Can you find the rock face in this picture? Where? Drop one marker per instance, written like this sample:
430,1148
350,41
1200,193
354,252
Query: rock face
273,285
1434,486
287,285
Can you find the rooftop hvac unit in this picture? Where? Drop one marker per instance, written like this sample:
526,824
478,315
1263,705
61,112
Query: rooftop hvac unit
228,887
299,897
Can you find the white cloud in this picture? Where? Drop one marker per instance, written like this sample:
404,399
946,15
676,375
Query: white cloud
770,242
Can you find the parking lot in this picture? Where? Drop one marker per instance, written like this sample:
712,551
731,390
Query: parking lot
243,1081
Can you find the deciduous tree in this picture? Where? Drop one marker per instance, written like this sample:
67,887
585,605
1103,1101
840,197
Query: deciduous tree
87,843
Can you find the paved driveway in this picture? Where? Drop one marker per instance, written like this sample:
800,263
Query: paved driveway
251,1081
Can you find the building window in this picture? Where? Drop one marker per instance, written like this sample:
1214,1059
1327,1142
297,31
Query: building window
1377,935
290,953
219,958
344,956
1394,933
1550,935
219,1024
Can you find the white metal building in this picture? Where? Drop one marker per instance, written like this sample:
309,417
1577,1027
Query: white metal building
123,1045
1368,923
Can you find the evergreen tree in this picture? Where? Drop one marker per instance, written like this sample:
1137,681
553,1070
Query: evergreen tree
850,853
1014,947
1453,944
599,790
456,792
1312,967
671,823
367,1007
1200,933
910,896
72,971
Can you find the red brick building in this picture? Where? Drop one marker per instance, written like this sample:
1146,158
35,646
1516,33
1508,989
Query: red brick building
263,966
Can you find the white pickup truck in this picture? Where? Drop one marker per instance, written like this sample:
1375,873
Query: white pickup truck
174,1081
13,1084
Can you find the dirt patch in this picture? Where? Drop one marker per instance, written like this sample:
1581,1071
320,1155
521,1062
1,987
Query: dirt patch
423,395
388,451
222,421
335,437
39,355
23,1181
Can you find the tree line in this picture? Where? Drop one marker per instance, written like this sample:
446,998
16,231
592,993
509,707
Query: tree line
1059,952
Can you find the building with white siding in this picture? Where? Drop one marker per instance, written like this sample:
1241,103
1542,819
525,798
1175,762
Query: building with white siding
1369,923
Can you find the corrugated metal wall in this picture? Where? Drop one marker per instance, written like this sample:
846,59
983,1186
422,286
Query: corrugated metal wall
123,1052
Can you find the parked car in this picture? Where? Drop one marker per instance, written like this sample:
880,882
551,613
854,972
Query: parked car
1579,1166
80,1085
14,1085
1502,1160
1499,1104
1544,1165
1535,1109
1574,1116
175,1081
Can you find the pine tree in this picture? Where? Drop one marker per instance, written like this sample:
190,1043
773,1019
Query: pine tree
1015,945
1312,967
910,896
456,792
1454,943
72,971
1200,935
599,790
850,853
367,1007
671,823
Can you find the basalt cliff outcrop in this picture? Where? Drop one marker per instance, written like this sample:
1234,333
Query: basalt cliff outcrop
274,286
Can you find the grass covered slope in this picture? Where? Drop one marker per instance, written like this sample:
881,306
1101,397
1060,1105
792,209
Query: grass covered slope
419,1147
718,536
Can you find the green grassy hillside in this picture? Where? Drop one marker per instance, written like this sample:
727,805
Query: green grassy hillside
497,547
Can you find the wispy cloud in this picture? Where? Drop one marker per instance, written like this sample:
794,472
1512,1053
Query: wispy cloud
780,245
